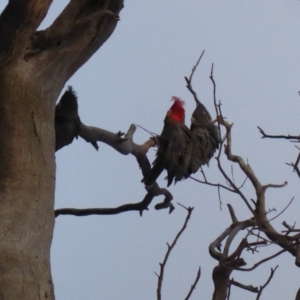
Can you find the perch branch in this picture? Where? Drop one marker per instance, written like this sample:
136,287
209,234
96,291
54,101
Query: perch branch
124,146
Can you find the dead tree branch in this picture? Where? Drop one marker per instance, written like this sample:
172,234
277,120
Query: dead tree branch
267,282
287,137
124,145
189,80
258,220
249,288
193,287
262,261
170,248
295,165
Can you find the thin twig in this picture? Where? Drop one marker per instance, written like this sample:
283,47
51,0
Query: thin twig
287,137
219,185
282,210
170,248
267,282
189,80
193,287
262,261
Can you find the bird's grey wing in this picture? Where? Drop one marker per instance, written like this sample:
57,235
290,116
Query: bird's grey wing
175,152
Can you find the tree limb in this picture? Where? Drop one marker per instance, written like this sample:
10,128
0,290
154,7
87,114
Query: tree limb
18,21
76,34
124,146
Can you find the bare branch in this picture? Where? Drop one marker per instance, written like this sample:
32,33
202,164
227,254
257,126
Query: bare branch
217,106
289,228
249,288
193,287
270,185
267,282
295,165
287,137
229,232
262,261
140,206
170,248
124,146
232,213
189,80
218,185
282,210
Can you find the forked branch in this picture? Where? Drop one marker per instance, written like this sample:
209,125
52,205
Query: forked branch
124,146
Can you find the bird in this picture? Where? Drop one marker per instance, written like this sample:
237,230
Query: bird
171,144
67,120
203,142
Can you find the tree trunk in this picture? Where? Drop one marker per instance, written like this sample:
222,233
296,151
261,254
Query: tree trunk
27,181
34,67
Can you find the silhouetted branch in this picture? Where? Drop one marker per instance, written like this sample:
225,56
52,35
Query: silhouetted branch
260,211
267,282
140,206
232,213
189,80
170,248
249,288
295,165
229,233
289,228
262,261
124,145
282,210
219,185
193,287
287,137
252,288
272,185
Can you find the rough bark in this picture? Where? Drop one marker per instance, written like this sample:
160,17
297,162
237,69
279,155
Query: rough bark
34,66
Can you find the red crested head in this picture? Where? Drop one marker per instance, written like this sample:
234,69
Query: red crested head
177,111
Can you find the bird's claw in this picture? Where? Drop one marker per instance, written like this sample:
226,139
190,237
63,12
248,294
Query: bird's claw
155,139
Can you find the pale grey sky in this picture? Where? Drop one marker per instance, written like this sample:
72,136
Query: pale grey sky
254,46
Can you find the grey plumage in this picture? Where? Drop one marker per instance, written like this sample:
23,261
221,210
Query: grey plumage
171,145
203,143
